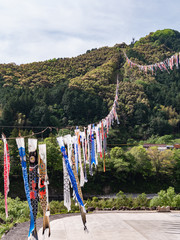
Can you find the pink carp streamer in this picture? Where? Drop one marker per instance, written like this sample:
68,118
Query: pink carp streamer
6,172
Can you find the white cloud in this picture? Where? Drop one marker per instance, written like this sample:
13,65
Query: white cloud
35,30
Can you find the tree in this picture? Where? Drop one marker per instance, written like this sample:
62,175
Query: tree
142,163
176,157
119,158
162,161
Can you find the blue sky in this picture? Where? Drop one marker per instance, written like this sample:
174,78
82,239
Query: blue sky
37,30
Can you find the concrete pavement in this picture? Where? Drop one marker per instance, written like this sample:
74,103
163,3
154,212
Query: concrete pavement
117,226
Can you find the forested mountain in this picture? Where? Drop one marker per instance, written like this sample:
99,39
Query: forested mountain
77,91
67,92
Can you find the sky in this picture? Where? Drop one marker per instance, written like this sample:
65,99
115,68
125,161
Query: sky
38,30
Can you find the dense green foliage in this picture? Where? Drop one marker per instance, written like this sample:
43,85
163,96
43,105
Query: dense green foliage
136,170
77,91
46,93
166,198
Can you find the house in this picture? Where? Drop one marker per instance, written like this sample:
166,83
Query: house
161,147
177,146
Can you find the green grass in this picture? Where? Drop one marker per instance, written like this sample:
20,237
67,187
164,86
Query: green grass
18,211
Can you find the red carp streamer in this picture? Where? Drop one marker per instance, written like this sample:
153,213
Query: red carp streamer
6,172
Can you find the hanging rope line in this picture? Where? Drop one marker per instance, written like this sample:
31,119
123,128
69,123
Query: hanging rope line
168,63
33,133
36,127
1,126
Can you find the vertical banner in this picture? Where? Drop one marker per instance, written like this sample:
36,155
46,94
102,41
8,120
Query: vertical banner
74,179
97,139
22,154
33,179
83,214
76,152
68,141
6,172
43,187
84,148
77,133
89,132
93,157
67,196
70,172
102,135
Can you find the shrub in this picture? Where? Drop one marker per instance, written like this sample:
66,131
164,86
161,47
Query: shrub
109,203
141,201
123,200
164,198
176,201
18,211
57,207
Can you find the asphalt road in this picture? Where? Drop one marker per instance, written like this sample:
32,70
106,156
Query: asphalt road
118,226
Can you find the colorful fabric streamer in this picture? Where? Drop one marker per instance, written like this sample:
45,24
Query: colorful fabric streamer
22,154
93,159
33,179
89,149
68,141
167,63
84,147
70,172
67,196
6,172
43,187
98,141
77,133
76,152
83,214
90,142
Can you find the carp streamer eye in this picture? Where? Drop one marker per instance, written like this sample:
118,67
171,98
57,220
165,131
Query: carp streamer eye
32,159
41,166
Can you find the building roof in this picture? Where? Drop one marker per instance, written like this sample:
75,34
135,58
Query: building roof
147,145
176,145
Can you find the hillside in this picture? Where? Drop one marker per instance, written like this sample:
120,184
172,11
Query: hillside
77,91
53,71
158,112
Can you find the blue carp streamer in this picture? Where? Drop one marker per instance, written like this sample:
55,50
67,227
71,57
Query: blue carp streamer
76,155
26,186
72,177
93,160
